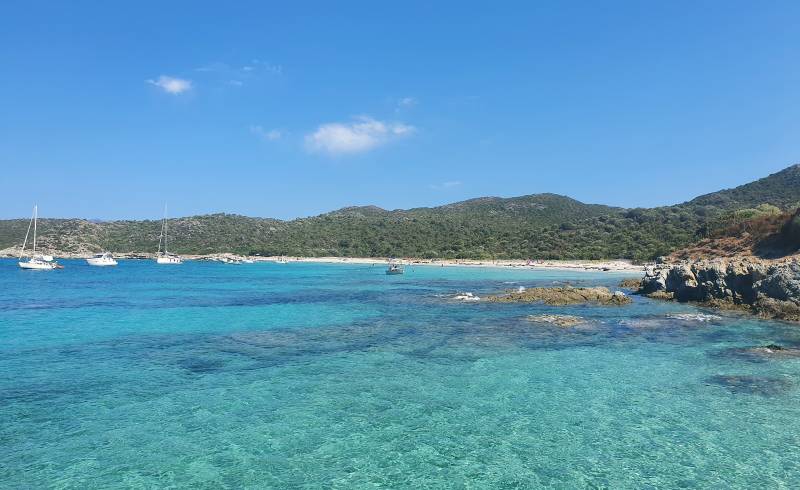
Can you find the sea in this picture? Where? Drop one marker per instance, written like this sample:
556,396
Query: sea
304,375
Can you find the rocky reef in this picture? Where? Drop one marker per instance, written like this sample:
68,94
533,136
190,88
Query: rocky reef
563,296
771,290
563,321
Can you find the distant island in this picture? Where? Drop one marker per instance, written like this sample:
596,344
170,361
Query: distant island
539,226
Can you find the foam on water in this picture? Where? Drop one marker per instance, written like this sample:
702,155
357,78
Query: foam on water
294,375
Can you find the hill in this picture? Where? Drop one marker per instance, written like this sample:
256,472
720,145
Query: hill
547,226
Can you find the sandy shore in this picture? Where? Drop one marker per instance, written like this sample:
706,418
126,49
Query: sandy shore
600,265
579,265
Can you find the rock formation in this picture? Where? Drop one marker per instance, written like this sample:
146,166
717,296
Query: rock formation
770,289
563,296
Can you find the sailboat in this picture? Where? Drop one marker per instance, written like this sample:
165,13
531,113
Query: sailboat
165,257
35,262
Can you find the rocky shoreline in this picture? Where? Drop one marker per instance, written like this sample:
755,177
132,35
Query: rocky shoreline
767,289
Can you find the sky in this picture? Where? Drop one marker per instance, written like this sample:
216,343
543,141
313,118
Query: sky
287,109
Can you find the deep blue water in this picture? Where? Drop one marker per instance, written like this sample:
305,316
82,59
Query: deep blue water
208,375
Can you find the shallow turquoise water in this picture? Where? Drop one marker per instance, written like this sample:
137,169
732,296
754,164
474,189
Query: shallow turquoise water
302,375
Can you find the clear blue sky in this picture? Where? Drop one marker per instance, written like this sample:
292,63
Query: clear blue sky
108,109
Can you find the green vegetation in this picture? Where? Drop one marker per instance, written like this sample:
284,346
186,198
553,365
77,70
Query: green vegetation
545,226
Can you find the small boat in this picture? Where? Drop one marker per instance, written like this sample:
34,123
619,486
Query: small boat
104,259
230,260
168,258
395,268
165,257
248,261
36,262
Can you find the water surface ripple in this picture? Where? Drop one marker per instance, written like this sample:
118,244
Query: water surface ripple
306,375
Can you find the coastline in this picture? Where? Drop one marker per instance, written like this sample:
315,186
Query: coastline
610,265
580,265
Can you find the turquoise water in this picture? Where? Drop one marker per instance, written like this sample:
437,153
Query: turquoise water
337,376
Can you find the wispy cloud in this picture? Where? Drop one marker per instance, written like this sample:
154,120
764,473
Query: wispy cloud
267,134
446,185
240,75
264,66
407,102
361,135
171,85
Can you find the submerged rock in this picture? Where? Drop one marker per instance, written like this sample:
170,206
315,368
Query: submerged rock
756,385
564,321
563,296
774,351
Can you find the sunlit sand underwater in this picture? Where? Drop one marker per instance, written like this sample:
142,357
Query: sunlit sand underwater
208,375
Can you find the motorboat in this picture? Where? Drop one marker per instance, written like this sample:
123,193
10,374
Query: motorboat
104,259
395,268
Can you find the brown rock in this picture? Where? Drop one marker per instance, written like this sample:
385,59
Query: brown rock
563,296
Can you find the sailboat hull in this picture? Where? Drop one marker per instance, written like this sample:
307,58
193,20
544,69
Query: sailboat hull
169,260
101,262
37,265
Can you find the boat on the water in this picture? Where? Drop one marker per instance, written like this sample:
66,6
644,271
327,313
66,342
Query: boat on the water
395,268
104,259
35,262
165,257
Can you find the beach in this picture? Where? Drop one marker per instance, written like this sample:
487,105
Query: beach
609,265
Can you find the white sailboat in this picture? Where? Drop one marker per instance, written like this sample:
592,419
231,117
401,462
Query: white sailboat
165,257
35,262
104,259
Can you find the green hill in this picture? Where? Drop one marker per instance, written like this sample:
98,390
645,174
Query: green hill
537,226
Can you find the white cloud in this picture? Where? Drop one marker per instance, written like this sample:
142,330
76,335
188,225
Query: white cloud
267,134
446,185
407,102
362,135
235,83
171,85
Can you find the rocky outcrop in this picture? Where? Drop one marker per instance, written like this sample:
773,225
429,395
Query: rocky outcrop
630,283
563,321
770,290
563,296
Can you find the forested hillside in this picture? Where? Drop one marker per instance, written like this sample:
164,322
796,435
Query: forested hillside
536,226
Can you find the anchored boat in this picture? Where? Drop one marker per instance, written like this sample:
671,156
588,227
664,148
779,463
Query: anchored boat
165,257
395,268
35,262
104,259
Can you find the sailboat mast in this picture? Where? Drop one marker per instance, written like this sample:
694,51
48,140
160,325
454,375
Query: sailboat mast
165,229
27,233
35,218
